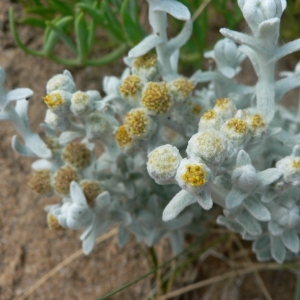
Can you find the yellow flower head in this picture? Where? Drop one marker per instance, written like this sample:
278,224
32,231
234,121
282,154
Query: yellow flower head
156,98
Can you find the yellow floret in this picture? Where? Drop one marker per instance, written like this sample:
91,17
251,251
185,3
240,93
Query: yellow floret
209,115
196,109
130,86
53,223
238,125
146,61
91,189
53,100
257,121
122,137
296,163
136,122
156,98
222,102
195,175
184,86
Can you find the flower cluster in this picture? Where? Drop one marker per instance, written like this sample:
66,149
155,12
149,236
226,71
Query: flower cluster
227,143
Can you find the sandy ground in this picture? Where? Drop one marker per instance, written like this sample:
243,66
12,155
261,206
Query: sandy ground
28,250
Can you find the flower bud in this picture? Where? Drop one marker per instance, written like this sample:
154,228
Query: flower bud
97,126
156,98
257,11
286,213
290,167
57,122
91,189
208,145
163,163
193,176
76,154
53,223
78,216
236,130
81,104
127,143
59,102
40,182
63,178
139,124
180,89
210,119
244,178
146,66
225,108
257,126
131,89
62,82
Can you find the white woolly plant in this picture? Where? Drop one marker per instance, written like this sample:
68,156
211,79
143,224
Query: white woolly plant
227,144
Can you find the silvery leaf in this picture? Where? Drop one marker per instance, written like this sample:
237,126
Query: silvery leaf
123,236
262,243
286,49
291,240
21,148
284,85
274,228
77,195
18,94
120,216
204,199
249,223
179,202
243,159
174,8
252,56
231,224
269,29
234,198
68,136
145,45
241,38
102,202
264,255
154,236
37,145
180,221
42,164
257,209
277,249
268,176
177,241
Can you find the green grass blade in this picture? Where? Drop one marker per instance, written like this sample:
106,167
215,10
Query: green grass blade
81,33
16,37
62,7
33,22
56,32
104,60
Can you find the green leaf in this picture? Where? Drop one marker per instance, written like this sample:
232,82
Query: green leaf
16,37
41,11
54,31
33,22
107,58
62,7
81,33
131,27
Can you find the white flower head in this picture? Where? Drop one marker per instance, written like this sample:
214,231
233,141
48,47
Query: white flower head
57,122
225,108
97,125
62,82
236,131
193,176
147,66
59,102
210,120
181,89
209,146
131,89
163,163
244,178
139,123
286,213
81,103
257,126
257,11
290,167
